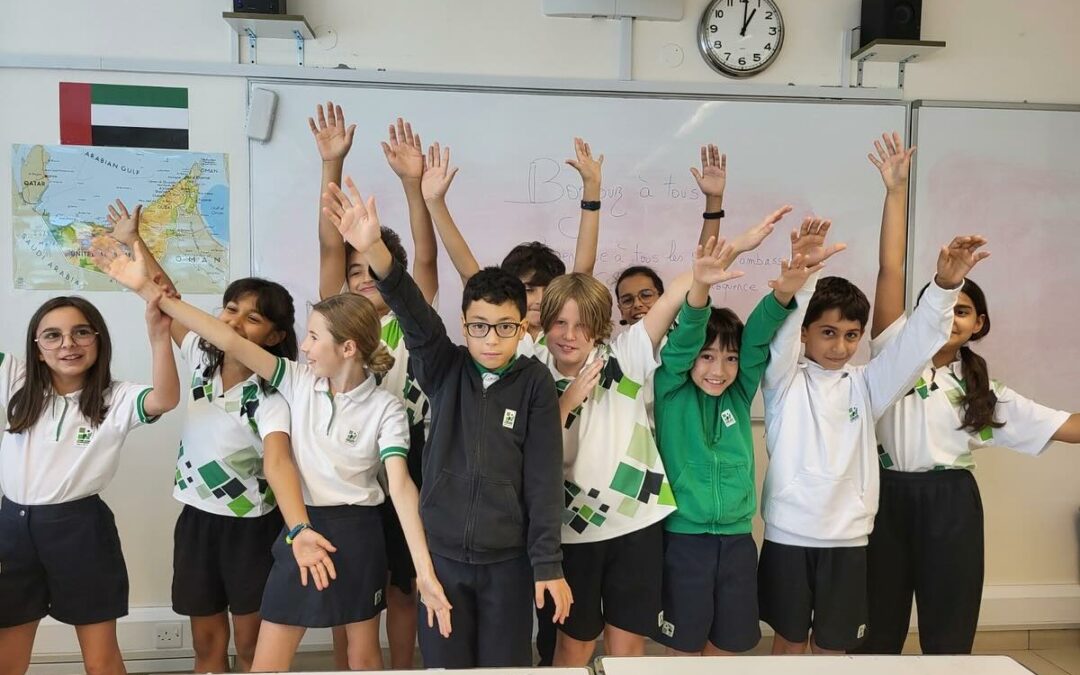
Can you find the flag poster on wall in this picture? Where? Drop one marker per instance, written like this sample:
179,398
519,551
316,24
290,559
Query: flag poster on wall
123,115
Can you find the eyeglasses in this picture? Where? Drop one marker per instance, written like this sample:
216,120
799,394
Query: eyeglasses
647,296
52,339
479,329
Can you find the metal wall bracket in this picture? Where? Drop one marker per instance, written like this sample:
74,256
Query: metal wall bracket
252,39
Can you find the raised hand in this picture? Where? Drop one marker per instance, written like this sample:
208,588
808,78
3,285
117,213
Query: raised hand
404,153
437,173
355,219
892,160
712,260
586,165
312,552
332,137
434,599
125,226
129,272
957,258
712,178
793,275
809,240
752,237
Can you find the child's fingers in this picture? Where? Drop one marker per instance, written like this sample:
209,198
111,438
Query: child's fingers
303,575
409,135
311,125
385,149
113,215
354,193
723,162
600,159
450,177
391,133
695,173
325,545
873,160
321,116
704,157
446,157
340,115
401,130
445,627
437,154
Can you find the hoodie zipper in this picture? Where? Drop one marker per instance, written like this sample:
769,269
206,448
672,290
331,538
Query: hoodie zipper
474,498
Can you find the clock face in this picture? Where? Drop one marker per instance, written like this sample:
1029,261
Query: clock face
741,37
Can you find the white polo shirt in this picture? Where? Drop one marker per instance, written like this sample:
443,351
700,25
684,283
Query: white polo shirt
219,468
922,431
64,457
340,440
615,481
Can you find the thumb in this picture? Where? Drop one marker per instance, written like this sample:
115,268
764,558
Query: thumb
350,132
695,172
138,213
372,212
325,544
450,177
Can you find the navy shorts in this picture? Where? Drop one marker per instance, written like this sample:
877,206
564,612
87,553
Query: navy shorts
615,581
221,562
800,588
61,560
710,592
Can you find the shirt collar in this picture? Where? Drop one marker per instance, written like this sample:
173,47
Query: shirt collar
356,394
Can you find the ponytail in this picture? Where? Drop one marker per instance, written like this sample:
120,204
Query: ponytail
979,400
380,361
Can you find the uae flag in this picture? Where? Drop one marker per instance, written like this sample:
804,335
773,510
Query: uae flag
122,115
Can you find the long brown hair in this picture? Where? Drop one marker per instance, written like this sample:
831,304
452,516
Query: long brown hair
26,405
979,401
593,300
353,317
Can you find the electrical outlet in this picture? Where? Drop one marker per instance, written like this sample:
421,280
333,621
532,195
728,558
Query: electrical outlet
168,635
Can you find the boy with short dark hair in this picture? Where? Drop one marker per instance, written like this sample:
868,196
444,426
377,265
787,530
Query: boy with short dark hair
492,494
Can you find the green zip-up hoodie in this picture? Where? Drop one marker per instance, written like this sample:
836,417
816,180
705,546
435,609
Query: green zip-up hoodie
705,441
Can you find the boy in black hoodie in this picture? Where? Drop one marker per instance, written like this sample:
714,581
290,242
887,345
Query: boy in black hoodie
491,501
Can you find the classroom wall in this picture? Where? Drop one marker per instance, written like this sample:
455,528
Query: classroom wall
992,46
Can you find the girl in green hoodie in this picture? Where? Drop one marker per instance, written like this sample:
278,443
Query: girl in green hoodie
710,370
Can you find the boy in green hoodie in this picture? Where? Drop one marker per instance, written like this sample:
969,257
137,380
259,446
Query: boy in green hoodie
710,370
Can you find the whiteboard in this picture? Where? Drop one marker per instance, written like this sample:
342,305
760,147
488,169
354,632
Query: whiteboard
513,185
1011,175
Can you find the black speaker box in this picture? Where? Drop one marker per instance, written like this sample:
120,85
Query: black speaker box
890,19
260,6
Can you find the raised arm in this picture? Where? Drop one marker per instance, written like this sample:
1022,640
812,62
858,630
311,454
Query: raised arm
132,274
333,140
894,163
430,349
166,392
589,227
809,242
711,180
125,229
898,364
436,181
405,155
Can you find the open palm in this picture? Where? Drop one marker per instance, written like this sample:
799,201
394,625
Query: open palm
332,137
809,241
892,160
437,173
712,260
356,219
403,151
712,178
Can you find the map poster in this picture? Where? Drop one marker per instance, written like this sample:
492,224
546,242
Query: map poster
60,197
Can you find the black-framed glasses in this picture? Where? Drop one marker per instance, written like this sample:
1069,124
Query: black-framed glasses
647,296
479,329
52,339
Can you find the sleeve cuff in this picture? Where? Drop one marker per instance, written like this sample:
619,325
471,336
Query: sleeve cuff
140,407
391,452
939,297
774,310
691,314
391,281
547,571
279,373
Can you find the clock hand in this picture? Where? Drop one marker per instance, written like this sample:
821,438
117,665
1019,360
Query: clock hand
745,4
746,23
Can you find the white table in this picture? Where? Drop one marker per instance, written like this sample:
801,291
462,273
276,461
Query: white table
502,671
812,665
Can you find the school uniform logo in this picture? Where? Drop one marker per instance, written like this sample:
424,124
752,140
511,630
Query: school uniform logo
83,436
666,627
509,416
351,437
853,414
378,596
862,631
728,418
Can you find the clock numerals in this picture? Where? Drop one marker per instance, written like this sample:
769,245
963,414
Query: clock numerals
719,14
741,37
768,16
772,29
717,45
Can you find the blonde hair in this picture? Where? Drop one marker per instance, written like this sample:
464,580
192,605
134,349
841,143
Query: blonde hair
593,300
353,317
